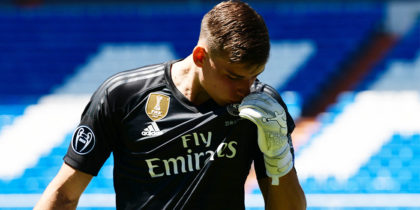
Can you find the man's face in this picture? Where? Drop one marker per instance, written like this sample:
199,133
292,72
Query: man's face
227,83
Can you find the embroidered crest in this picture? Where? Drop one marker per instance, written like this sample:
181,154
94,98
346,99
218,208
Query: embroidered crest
233,109
83,140
157,106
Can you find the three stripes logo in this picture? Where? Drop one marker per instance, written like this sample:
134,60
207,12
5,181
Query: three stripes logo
152,130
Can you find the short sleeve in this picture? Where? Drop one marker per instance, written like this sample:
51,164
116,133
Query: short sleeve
90,145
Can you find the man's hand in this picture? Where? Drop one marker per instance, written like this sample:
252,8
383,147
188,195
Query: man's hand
270,118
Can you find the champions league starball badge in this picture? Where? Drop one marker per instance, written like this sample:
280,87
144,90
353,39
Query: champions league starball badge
232,109
83,140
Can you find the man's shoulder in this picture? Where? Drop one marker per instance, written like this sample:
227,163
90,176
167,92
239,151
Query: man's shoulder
259,86
135,78
119,88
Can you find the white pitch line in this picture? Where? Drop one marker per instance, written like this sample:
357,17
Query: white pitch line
251,200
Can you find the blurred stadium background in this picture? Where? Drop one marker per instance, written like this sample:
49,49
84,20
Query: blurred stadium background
348,70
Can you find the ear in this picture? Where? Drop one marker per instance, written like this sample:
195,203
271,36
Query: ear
199,53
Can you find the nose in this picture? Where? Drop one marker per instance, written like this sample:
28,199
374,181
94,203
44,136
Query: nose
244,87
243,92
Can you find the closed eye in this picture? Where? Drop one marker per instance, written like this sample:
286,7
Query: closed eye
232,77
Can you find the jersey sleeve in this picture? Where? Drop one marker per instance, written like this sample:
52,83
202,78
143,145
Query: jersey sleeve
91,141
259,158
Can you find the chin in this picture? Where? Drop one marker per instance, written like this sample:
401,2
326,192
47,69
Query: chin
225,102
229,101
238,99
235,101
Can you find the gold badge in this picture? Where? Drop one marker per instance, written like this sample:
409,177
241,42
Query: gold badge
157,106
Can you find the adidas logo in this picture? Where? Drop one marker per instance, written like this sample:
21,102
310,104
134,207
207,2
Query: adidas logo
152,130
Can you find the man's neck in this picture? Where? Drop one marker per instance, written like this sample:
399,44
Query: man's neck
184,75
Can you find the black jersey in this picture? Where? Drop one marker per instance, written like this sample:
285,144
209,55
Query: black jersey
168,153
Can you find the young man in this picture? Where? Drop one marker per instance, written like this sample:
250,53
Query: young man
184,133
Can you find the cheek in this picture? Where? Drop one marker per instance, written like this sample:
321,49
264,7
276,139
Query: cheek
228,88
218,85
223,87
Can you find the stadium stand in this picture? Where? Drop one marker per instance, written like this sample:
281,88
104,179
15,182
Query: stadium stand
350,29
407,49
393,168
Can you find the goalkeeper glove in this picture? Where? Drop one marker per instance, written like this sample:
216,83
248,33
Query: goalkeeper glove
270,118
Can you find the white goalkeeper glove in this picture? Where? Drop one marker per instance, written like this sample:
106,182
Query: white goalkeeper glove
270,118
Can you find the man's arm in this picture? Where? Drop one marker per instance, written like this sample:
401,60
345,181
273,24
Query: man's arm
64,190
281,188
287,195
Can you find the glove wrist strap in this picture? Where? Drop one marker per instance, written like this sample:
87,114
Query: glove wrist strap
278,166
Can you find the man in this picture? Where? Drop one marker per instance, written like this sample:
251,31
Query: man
184,133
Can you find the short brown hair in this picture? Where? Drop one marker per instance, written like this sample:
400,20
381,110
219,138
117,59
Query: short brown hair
235,30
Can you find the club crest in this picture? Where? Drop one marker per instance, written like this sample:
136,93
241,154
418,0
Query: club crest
83,140
233,109
157,106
